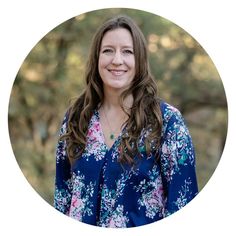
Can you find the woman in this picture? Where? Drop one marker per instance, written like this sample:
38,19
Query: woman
124,158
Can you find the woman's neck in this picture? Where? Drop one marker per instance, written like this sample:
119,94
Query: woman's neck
112,101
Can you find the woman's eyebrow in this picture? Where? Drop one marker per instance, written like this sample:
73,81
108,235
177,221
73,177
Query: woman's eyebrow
112,46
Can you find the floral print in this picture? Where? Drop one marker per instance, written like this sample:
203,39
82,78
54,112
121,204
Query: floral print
80,202
152,200
94,140
118,219
62,198
98,190
114,216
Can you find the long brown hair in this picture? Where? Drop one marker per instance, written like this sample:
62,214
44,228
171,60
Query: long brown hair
145,112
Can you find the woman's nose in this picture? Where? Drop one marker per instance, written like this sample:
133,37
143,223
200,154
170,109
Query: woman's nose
117,60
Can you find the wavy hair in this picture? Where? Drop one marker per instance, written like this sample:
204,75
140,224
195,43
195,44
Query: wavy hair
145,112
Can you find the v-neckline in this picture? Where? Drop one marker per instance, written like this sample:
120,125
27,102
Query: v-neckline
103,135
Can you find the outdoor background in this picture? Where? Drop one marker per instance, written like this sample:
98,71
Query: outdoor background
52,74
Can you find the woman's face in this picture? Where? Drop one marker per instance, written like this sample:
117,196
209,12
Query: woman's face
116,62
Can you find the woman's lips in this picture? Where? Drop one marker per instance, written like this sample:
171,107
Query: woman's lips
117,72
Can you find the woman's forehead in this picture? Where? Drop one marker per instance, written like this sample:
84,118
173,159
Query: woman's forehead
117,36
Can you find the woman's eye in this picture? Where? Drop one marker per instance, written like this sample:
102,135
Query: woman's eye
127,51
107,51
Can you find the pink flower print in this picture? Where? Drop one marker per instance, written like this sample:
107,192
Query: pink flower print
158,191
96,145
74,202
89,132
152,201
80,203
112,223
92,137
119,149
96,126
76,208
77,202
165,149
120,221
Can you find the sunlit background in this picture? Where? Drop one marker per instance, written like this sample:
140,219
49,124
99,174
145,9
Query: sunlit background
52,74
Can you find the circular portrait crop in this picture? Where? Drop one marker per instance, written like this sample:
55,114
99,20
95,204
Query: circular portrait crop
118,118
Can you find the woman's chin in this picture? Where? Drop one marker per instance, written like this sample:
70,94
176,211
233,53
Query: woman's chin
117,85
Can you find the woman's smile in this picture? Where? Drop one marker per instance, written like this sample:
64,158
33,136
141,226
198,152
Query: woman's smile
117,72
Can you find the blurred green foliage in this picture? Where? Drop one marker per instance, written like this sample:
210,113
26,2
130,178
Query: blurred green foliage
52,74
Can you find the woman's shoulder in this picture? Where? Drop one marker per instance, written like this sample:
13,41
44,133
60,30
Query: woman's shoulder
167,108
169,112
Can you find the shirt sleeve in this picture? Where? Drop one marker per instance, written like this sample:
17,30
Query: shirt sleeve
63,185
177,161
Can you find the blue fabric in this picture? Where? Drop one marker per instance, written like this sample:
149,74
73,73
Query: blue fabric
98,190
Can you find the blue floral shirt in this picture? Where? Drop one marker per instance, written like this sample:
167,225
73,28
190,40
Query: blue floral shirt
97,190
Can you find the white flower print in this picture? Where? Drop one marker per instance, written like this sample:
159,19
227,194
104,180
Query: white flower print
182,200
